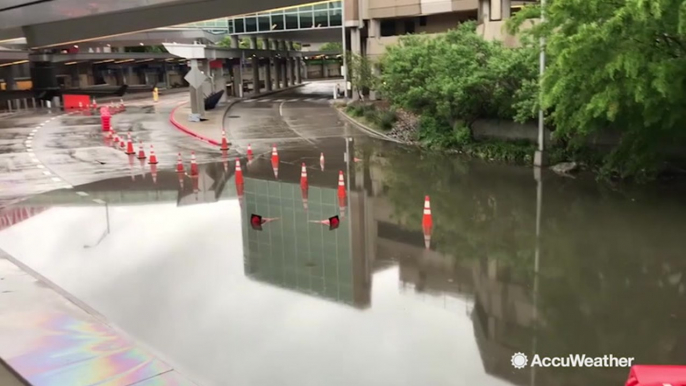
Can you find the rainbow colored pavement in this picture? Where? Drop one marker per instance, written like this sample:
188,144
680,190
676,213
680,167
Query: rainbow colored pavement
51,341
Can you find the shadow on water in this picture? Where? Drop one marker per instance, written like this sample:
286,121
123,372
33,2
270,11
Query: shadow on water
602,274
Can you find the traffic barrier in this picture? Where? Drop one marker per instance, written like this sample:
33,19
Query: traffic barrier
249,150
179,164
303,176
129,145
141,152
656,375
427,220
105,119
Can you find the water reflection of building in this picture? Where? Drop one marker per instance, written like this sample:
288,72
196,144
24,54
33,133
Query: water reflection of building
296,254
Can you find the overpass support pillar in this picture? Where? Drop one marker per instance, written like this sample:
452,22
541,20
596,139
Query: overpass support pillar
277,72
255,63
267,45
197,95
235,41
298,70
287,76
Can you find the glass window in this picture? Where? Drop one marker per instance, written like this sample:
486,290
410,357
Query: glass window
278,22
265,23
321,19
305,19
240,25
335,17
251,24
305,8
335,4
321,6
230,22
292,21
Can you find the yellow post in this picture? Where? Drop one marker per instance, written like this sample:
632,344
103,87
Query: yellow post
155,94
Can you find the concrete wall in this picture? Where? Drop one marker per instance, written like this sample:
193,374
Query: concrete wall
506,130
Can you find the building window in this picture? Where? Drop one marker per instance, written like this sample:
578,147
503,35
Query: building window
240,25
422,21
231,29
409,26
306,19
264,23
335,17
277,21
321,19
307,8
291,21
251,24
388,27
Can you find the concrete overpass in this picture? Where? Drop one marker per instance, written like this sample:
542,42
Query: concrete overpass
56,22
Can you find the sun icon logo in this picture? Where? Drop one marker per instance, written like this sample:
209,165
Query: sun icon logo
519,360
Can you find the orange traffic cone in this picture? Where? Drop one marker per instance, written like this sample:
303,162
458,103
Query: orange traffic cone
225,143
179,164
321,161
249,150
194,165
153,161
341,185
129,146
122,144
95,104
141,152
115,136
239,172
275,167
427,221
303,176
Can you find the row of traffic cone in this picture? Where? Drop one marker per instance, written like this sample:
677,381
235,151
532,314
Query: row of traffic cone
194,171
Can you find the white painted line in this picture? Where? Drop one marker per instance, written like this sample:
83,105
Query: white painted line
36,160
40,166
56,179
82,194
281,109
68,187
264,100
47,172
48,121
278,100
99,201
27,141
30,151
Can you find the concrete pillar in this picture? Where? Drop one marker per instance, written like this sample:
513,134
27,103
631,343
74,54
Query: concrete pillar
197,97
298,71
356,49
268,75
255,63
235,42
253,42
8,75
375,28
277,72
506,9
288,77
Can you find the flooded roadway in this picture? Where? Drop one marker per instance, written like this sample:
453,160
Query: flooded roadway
180,268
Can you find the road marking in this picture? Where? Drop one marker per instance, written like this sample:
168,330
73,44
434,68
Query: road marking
40,166
46,122
56,179
27,141
47,172
281,109
99,201
264,100
82,194
36,160
278,100
290,127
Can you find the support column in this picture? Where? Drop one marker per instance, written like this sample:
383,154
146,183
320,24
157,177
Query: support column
235,43
298,71
255,68
197,97
356,49
267,45
277,72
288,77
10,81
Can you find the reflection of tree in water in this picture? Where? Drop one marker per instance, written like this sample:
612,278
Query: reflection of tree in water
613,273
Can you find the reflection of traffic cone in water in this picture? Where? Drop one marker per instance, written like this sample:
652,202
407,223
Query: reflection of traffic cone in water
303,176
239,193
181,175
153,158
142,163
321,161
122,144
225,160
179,164
110,135
225,143
131,158
129,146
427,222
196,186
153,168
194,165
141,152
305,193
239,172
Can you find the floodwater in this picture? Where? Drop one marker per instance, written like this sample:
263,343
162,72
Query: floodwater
552,268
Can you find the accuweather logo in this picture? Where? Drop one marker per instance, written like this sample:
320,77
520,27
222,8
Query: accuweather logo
520,360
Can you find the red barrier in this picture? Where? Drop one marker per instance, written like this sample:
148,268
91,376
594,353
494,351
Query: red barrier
105,119
645,375
71,101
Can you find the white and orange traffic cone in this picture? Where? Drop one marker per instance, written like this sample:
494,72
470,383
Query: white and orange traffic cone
141,152
153,161
275,153
303,176
225,143
179,164
116,137
129,145
342,203
122,144
427,222
239,173
95,104
249,150
194,165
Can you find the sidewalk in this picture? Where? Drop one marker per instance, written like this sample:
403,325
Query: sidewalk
210,130
49,338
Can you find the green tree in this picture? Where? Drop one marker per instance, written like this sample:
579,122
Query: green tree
361,72
618,64
332,46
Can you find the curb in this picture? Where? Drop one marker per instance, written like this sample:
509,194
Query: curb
188,131
367,129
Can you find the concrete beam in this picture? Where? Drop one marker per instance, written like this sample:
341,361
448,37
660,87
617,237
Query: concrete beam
182,50
56,58
140,19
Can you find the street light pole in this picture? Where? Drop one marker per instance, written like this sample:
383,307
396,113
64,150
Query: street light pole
343,51
539,159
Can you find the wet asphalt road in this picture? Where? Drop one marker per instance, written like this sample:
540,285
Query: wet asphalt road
178,267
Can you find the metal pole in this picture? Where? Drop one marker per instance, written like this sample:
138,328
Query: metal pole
33,102
343,53
540,82
107,215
